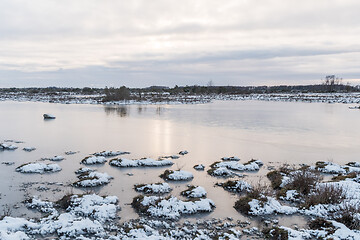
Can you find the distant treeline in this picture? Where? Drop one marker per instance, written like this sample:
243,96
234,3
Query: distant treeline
124,93
319,88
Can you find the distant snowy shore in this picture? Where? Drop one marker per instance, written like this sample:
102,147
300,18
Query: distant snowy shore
165,98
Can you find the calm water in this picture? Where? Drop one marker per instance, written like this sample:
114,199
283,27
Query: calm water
275,132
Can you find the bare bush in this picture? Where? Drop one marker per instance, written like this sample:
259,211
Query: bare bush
304,180
258,192
325,194
349,215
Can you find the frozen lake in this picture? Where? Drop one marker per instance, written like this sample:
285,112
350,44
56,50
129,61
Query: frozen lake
274,132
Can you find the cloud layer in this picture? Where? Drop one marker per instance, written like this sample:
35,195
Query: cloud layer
165,42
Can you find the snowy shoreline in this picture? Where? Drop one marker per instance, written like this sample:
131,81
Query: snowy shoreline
70,98
94,216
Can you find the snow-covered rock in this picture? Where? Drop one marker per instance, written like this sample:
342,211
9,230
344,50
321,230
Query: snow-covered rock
57,158
29,149
14,228
238,186
194,192
48,116
171,156
70,152
333,168
92,179
354,164
199,167
5,146
110,153
42,206
178,175
93,160
84,170
291,195
233,165
97,207
172,207
144,162
230,158
338,232
38,168
271,206
221,172
155,188
184,152
85,216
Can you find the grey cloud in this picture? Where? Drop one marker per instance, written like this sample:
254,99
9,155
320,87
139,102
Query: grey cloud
169,42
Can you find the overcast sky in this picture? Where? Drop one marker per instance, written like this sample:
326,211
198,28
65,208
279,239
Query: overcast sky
139,43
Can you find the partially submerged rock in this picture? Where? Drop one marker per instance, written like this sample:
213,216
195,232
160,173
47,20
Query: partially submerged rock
333,168
143,162
57,158
110,153
329,167
222,172
170,207
85,215
84,170
6,146
97,207
253,165
29,149
183,152
270,206
93,160
38,168
237,186
354,164
92,179
178,175
199,167
8,163
194,192
48,116
42,206
155,188
233,158
70,152
224,168
170,156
